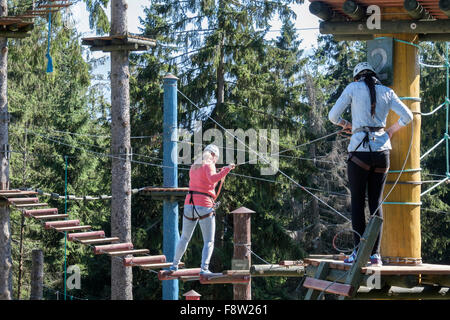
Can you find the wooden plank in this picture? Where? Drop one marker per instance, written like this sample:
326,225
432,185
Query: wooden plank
99,241
275,270
136,261
405,270
237,272
321,273
169,275
86,235
62,223
220,278
22,200
291,263
328,286
51,216
14,194
127,252
113,248
74,228
30,205
159,265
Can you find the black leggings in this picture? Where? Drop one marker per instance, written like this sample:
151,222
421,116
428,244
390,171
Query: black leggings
361,180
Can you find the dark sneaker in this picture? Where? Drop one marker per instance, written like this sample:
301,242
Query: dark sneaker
351,258
375,260
173,268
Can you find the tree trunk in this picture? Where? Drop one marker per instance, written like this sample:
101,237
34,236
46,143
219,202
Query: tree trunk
121,277
37,274
5,224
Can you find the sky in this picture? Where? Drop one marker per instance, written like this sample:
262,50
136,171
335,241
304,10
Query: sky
136,9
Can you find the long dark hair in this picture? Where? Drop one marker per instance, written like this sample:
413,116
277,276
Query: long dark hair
370,79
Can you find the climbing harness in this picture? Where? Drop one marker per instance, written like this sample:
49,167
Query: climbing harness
366,142
191,201
215,206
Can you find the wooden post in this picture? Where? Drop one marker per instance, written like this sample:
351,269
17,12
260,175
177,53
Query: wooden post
401,238
121,276
5,223
37,274
241,253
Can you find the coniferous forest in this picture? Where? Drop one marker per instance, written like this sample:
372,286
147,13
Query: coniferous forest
238,75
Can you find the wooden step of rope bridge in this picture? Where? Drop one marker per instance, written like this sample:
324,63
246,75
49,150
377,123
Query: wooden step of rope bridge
30,207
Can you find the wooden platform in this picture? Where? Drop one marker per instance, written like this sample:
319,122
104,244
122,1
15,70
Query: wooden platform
126,42
424,268
165,193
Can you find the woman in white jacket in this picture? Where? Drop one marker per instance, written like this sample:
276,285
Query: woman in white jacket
368,159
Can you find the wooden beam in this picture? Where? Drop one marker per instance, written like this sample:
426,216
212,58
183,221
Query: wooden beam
169,275
127,252
15,194
159,265
51,216
220,278
99,241
387,27
328,286
276,270
74,228
30,205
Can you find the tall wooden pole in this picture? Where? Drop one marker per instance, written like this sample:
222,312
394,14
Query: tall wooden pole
401,238
170,179
5,223
242,246
121,277
37,274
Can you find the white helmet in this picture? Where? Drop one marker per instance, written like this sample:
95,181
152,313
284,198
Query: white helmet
361,67
212,148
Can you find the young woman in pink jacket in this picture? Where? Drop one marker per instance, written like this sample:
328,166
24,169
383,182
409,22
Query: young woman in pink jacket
199,205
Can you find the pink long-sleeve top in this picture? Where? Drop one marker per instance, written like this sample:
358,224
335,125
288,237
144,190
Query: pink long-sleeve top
205,179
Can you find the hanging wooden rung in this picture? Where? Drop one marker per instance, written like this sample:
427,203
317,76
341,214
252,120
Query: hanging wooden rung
22,200
51,216
86,235
63,223
40,212
30,205
168,275
113,247
159,265
127,252
99,241
138,261
74,228
10,191
17,194
328,286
